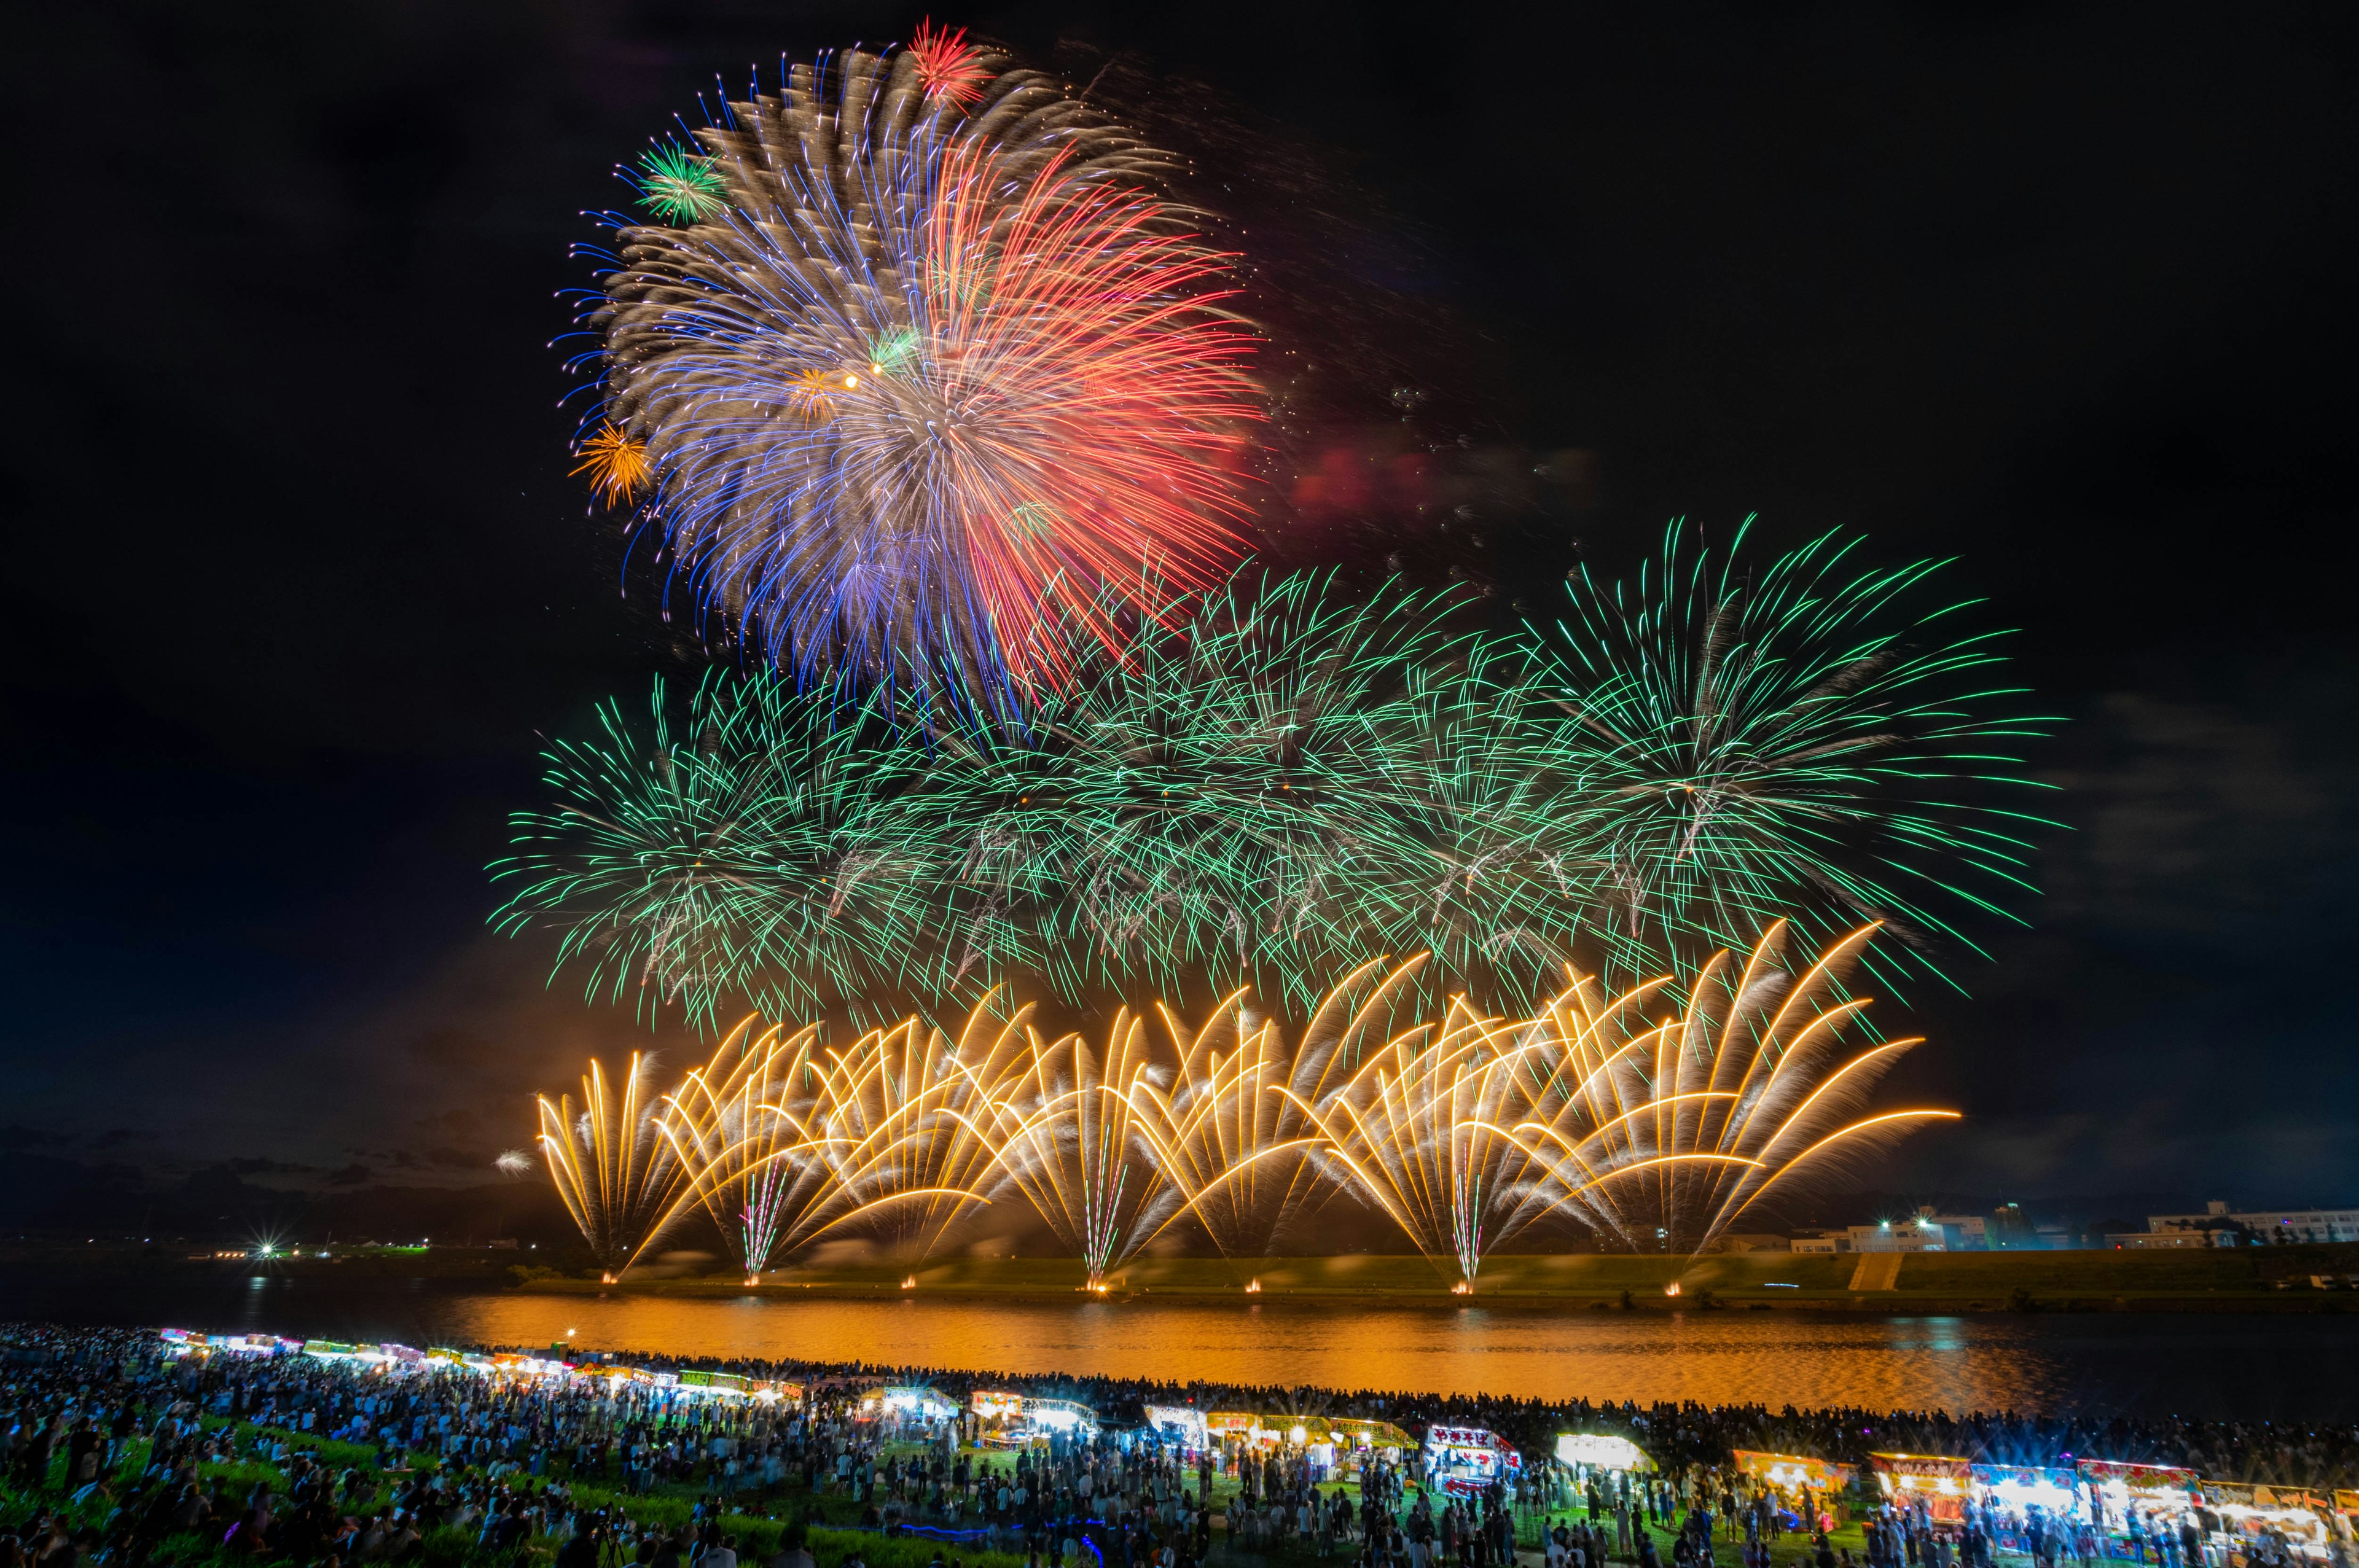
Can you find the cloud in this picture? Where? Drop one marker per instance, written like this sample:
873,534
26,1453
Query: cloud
2186,812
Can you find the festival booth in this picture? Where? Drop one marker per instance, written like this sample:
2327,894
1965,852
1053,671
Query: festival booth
1794,1481
1939,1485
1006,1420
1178,1426
1358,1441
903,1402
1583,1452
1460,1461
2237,1517
2161,1496
2022,1493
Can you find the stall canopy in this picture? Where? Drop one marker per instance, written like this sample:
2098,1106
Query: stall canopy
1466,1459
1370,1434
899,1399
1600,1451
2021,1487
1941,1485
1792,1472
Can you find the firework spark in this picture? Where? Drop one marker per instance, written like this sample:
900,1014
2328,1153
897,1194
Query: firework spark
611,1163
948,66
936,365
907,1116
747,1157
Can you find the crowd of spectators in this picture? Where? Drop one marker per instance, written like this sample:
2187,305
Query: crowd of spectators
508,1455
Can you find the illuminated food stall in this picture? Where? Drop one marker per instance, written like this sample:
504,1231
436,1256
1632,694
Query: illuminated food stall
1793,1480
895,1402
1008,1420
2018,1489
2243,1516
1586,1451
1179,1426
1463,1460
2159,1494
1939,1485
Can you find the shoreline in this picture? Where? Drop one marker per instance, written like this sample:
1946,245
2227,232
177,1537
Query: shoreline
1924,1284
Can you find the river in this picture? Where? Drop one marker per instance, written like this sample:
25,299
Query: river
2214,1365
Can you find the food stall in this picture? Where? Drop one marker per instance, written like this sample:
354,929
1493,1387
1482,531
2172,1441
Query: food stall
1006,1419
2020,1494
1935,1483
1797,1482
1179,1426
1462,1460
1583,1452
2129,1502
2238,1517
895,1402
1357,1441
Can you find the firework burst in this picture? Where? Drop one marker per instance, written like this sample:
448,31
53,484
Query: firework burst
749,834
1075,1140
617,464
1799,739
611,1163
933,364
1664,1132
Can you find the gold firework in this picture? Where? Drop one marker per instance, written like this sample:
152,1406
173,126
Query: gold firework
612,1166
1663,1133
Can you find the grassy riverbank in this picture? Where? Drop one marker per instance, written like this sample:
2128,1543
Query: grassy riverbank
2258,1279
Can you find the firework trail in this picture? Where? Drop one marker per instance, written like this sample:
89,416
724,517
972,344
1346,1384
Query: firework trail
746,1157
1420,1130
1075,1141
1236,1135
1663,1133
907,1116
1797,739
915,359
611,1164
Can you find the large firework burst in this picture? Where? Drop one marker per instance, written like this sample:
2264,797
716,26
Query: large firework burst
919,357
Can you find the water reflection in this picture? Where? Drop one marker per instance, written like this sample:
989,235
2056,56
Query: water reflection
2215,1365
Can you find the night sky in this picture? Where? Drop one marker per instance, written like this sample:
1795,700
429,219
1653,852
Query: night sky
298,580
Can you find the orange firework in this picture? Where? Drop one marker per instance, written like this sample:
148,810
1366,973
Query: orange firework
617,464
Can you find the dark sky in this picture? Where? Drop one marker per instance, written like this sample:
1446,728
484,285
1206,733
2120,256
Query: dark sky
297,576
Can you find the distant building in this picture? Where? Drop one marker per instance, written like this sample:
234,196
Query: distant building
1926,1232
2277,1227
1823,1241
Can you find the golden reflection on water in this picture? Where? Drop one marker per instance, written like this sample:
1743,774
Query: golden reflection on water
1719,1357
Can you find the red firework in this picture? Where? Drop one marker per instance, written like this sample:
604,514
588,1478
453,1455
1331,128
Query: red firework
949,68
1105,397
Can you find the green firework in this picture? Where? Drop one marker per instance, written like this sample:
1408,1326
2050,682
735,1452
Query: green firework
1811,738
680,186
1285,781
